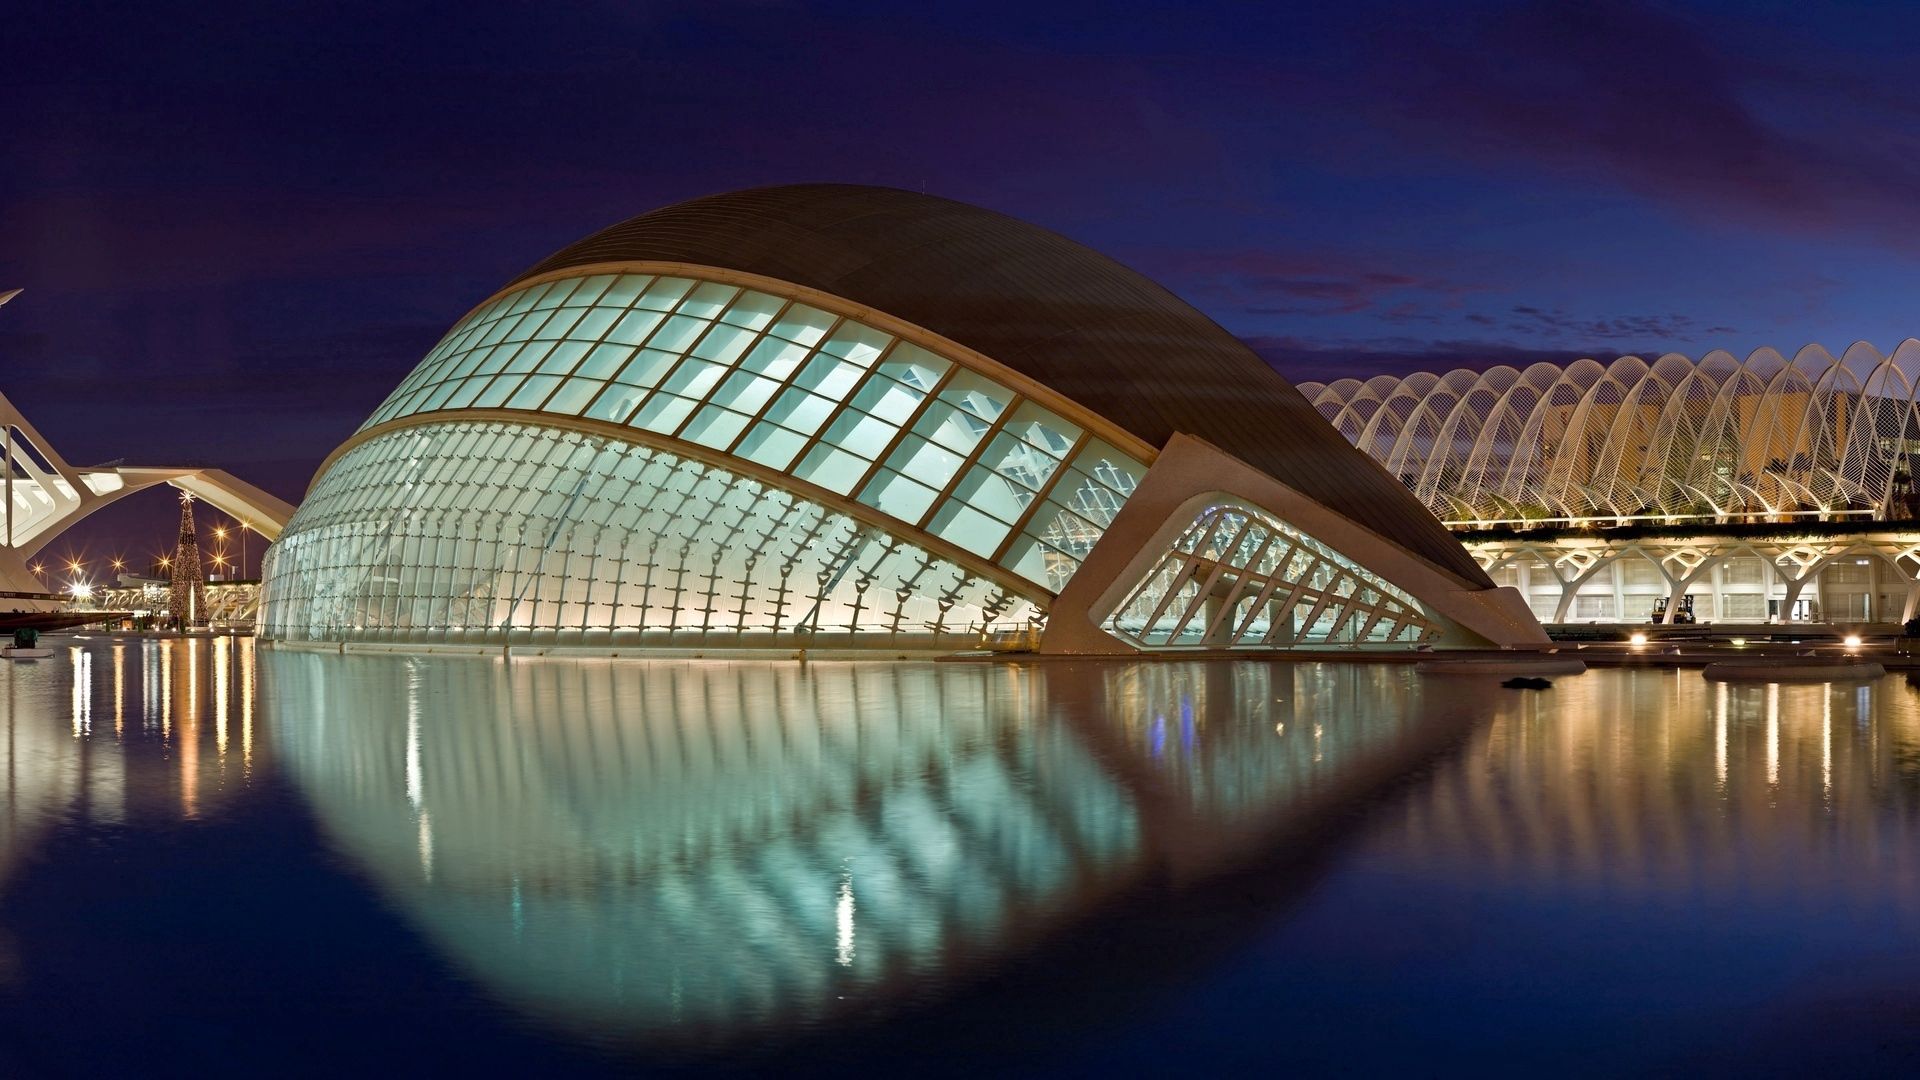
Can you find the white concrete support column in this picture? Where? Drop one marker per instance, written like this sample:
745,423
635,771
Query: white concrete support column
1794,585
1676,592
1678,587
1570,587
1873,611
1771,576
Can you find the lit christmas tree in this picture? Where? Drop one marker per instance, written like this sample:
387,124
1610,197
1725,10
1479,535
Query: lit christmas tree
188,602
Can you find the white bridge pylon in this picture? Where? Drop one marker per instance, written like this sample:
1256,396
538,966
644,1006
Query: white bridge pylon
44,495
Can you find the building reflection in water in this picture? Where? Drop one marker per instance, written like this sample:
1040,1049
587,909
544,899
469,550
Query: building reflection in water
109,731
1644,783
703,850
712,851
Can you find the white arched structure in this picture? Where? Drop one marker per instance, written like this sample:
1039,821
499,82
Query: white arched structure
42,495
1769,490
824,417
1718,440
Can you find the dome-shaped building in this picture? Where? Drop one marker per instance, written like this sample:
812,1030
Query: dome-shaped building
830,416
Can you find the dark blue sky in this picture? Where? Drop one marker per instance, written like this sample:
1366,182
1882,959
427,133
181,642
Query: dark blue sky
240,225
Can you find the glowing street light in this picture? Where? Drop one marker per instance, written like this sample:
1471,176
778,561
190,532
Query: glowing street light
73,566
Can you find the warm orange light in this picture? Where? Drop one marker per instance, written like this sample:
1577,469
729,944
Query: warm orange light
119,564
73,566
220,532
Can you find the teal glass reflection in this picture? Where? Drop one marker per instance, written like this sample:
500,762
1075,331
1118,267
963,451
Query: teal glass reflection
828,400
704,851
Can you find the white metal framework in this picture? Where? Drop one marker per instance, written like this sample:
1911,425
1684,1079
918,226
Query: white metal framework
486,531
819,397
1765,439
41,495
1839,577
228,602
650,453
1239,576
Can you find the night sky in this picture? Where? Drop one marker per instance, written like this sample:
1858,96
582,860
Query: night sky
239,225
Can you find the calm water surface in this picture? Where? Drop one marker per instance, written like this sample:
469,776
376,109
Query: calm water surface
217,861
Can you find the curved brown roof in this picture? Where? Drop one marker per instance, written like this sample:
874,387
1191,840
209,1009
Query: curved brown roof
1050,308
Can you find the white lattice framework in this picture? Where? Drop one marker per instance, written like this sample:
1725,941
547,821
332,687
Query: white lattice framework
42,495
227,601
1240,577
1767,438
698,459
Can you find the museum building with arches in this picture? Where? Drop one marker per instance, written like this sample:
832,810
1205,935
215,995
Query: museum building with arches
1774,489
833,416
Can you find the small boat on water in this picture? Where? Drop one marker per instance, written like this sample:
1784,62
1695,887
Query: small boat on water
12,653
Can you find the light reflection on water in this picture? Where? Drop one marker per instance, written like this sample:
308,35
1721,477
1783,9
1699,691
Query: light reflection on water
1655,782
717,857
104,733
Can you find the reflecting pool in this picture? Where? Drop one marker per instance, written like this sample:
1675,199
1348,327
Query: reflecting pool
217,861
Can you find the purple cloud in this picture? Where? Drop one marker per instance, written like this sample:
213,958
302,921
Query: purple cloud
1273,283
1659,103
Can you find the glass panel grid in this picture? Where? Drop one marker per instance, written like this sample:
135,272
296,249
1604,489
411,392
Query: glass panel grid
1241,578
490,532
790,387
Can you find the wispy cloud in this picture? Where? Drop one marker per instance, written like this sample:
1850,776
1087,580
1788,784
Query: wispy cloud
1556,324
1630,94
1279,283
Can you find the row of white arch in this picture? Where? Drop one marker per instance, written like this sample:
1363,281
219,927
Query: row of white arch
1766,438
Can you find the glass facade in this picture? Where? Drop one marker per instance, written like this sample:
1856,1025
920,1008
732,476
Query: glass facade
634,459
1240,578
796,389
470,531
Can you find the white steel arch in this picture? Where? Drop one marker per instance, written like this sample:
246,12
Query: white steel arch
1764,439
41,495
